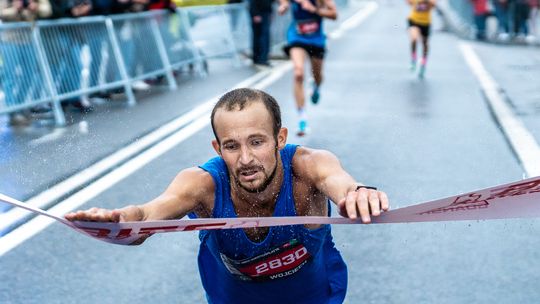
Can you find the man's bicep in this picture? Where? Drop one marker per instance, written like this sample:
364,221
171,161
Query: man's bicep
189,190
331,178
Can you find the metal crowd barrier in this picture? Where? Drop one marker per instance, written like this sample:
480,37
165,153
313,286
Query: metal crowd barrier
51,61
220,30
463,8
458,14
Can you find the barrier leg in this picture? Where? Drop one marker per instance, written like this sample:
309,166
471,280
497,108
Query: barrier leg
163,55
121,64
59,116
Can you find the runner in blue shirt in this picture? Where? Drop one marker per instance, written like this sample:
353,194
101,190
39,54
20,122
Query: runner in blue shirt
257,174
306,38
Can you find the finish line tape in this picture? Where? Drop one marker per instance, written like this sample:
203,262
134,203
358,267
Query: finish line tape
519,199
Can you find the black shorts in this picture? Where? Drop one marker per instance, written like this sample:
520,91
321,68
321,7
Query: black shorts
312,50
424,29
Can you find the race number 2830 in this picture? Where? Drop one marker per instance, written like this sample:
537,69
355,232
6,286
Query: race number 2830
279,262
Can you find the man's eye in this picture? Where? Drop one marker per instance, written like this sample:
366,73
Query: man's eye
230,146
257,142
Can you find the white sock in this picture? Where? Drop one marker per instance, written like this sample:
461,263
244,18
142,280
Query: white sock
302,114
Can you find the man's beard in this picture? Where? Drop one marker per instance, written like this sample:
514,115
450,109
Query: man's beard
266,182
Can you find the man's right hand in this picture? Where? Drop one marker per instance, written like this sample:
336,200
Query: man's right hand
127,214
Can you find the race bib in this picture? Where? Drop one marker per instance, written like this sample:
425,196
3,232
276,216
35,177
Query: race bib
277,263
307,27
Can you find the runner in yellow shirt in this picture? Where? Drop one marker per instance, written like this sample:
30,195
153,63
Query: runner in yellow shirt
419,24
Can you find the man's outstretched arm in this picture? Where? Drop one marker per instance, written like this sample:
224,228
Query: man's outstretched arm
192,189
331,179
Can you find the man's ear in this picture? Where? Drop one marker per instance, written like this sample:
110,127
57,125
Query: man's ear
282,138
216,147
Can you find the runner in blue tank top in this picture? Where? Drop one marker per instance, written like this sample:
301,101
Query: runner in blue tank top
306,38
257,175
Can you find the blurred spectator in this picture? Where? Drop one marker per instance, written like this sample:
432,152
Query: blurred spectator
261,11
102,7
65,50
501,12
130,6
533,18
20,63
169,29
132,41
100,50
234,14
161,4
481,12
521,15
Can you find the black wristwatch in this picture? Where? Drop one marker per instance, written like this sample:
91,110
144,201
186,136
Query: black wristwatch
363,186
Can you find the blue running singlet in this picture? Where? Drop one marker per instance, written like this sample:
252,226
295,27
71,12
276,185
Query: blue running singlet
306,28
292,264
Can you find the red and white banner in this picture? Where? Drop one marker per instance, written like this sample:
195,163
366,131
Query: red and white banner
514,200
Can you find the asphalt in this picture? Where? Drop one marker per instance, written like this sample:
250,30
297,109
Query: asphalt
415,139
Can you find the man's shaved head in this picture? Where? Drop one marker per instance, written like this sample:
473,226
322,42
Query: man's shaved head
238,99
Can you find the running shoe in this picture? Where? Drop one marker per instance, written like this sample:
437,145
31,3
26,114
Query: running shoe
302,128
315,96
422,71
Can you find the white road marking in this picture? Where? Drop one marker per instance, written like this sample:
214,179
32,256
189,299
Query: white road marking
355,20
520,139
156,143
56,134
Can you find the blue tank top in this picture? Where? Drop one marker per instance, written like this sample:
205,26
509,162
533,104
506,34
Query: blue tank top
292,264
306,27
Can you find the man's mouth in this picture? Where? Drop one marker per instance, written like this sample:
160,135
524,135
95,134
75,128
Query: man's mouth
249,174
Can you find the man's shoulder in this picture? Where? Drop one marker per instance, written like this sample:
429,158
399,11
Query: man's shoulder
195,178
307,159
310,154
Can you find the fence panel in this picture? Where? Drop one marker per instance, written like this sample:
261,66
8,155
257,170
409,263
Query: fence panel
174,29
464,9
207,24
238,25
79,53
138,45
22,77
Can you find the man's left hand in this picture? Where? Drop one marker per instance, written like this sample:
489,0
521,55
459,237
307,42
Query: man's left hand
363,203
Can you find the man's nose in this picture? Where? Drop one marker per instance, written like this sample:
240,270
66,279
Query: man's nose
245,156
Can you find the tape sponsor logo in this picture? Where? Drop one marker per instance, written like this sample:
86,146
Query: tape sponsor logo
475,201
105,233
461,203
